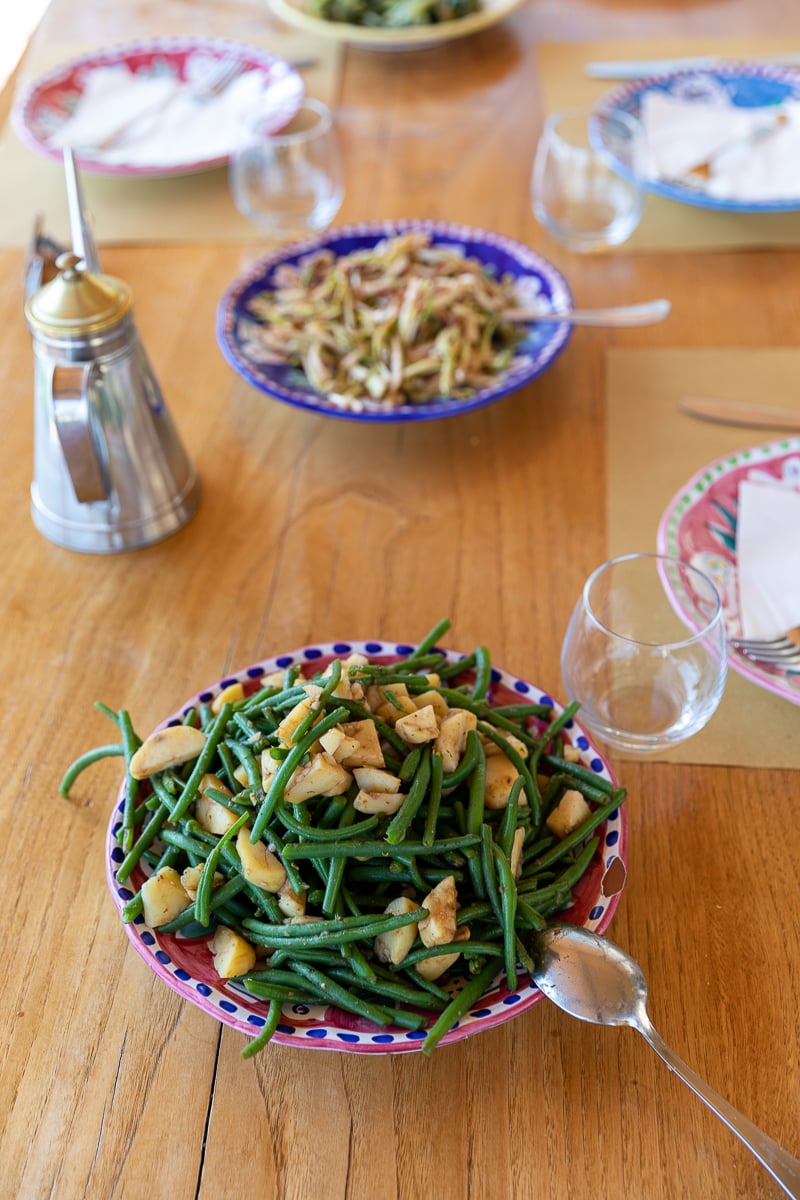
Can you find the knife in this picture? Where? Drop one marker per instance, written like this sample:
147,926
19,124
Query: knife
738,412
636,68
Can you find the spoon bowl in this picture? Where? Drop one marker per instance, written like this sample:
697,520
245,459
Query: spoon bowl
594,980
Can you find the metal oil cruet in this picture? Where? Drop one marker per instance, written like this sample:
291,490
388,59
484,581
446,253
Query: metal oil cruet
110,472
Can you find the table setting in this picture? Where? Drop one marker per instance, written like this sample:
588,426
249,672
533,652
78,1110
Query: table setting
402,603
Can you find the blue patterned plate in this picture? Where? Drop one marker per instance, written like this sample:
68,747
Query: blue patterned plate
540,283
742,85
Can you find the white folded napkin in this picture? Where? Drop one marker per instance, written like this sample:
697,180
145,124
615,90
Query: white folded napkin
749,160
768,558
187,130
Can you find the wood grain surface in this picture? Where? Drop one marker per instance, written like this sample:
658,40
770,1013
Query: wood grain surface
313,529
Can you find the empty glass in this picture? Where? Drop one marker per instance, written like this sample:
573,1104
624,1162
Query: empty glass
645,677
290,183
583,183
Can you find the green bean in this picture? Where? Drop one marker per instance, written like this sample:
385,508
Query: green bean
398,827
270,1025
247,760
86,760
318,706
336,868
508,893
330,932
579,772
410,765
131,742
483,673
375,849
202,764
588,826
428,642
491,889
145,839
468,949
468,763
508,825
468,995
523,768
336,994
287,769
434,799
203,895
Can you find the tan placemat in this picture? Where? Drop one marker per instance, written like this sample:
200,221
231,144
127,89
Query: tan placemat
186,208
653,449
667,224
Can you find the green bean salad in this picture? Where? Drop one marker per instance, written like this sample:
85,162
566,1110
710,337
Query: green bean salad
371,834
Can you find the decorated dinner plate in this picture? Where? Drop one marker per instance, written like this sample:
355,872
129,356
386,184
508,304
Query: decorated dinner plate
699,526
539,283
43,108
741,85
186,964
412,37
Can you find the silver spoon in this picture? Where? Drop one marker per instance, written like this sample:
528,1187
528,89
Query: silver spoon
625,314
594,980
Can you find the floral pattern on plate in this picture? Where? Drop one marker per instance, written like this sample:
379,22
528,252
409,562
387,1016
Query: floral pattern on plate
539,283
699,526
48,102
186,966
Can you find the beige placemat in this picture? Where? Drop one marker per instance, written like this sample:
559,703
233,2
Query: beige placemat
186,208
667,224
653,449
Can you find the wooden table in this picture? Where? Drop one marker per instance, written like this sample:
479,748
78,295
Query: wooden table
317,529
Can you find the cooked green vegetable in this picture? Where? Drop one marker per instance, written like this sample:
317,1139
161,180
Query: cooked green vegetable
402,322
392,835
392,14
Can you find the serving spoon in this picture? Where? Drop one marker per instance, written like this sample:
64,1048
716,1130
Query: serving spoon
626,314
594,980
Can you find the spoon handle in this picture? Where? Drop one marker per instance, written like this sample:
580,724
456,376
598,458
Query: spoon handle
648,313
780,1164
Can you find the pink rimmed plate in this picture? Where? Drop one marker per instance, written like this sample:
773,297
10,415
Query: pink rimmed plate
699,526
45,105
186,966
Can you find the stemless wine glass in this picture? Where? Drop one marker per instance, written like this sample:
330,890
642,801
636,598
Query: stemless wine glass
583,183
645,676
290,183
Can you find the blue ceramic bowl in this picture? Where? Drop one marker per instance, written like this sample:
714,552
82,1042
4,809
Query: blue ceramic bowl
543,284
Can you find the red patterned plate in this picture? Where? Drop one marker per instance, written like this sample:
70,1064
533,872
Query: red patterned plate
43,108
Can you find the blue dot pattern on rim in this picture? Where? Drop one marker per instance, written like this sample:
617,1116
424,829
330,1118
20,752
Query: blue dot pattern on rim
314,1030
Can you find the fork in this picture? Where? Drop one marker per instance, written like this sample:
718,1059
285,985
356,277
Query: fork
781,652
219,77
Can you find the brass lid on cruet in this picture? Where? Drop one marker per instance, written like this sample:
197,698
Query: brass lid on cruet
77,302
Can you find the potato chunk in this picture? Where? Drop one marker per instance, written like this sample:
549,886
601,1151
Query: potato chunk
393,946
431,968
418,727
323,776
259,865
369,753
382,803
288,726
190,880
228,695
570,812
452,738
439,926
170,747
232,954
500,776
213,816
373,779
163,897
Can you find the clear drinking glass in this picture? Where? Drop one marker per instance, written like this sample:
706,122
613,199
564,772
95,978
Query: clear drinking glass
583,184
645,677
290,183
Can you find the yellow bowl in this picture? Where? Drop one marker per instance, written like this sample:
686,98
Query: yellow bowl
413,37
